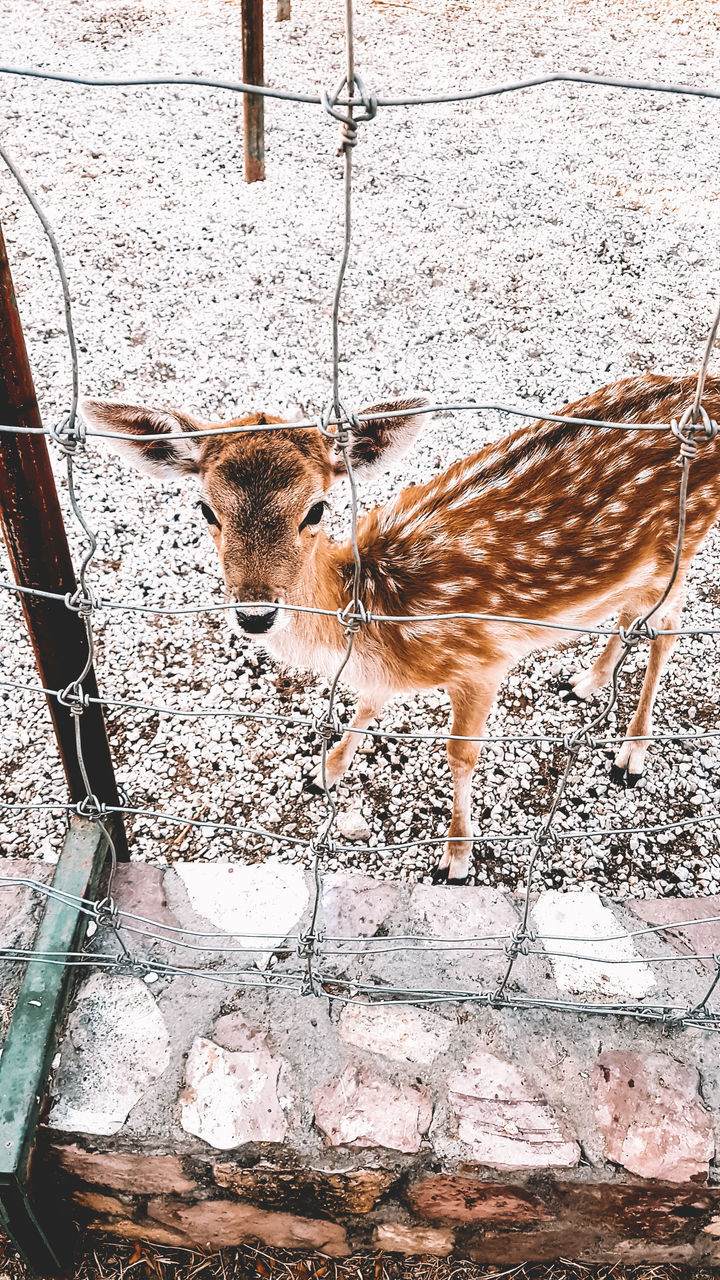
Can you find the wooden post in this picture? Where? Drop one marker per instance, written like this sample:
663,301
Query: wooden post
253,104
37,545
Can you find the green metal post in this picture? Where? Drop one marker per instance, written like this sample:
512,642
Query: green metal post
29,1048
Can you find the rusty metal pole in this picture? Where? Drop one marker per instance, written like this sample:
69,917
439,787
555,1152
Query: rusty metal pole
253,104
40,557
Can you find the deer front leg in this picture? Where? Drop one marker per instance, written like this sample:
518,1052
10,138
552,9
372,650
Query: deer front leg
630,759
470,712
339,758
585,683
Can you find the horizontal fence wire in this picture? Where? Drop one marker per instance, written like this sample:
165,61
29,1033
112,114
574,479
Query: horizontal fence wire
207,825
391,735
320,97
114,928
342,616
316,972
314,424
164,931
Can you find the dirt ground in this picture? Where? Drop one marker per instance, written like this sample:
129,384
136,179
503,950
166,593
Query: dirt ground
102,1261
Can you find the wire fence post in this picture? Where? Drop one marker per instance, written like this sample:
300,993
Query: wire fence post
40,557
253,104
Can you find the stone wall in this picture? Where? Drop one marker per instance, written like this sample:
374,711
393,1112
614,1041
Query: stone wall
212,1106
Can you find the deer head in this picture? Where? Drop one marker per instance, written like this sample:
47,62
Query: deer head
264,493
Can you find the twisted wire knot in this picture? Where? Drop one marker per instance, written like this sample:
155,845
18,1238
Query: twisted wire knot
70,433
106,912
582,738
340,426
73,698
638,631
693,420
351,426
309,985
90,807
702,419
368,101
326,728
324,844
82,601
353,616
695,417
308,943
547,836
520,942
335,428
307,950
684,430
668,1019
130,964
349,121
349,133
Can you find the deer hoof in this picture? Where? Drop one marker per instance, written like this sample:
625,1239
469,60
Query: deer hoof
313,787
567,693
441,876
622,777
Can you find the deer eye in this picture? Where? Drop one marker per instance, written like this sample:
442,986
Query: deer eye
314,515
209,514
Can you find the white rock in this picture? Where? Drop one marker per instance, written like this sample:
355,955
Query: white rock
116,1045
353,825
403,1034
231,1097
573,928
258,904
501,1121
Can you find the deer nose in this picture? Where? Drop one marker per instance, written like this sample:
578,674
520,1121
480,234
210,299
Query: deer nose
255,621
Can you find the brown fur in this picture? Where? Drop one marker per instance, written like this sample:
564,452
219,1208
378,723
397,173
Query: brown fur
555,522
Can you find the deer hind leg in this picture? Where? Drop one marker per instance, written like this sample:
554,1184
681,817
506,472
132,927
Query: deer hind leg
585,683
339,758
630,759
471,705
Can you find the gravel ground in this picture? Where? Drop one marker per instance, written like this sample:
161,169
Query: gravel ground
530,248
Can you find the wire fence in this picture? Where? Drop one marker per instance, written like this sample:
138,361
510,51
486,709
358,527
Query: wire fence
307,962
311,971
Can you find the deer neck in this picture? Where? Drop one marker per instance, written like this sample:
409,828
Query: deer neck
316,640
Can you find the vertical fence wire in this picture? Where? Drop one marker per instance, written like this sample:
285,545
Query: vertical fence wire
342,439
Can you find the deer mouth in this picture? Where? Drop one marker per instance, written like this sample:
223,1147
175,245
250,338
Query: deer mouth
256,623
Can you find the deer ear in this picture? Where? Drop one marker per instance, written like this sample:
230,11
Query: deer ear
379,440
158,456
